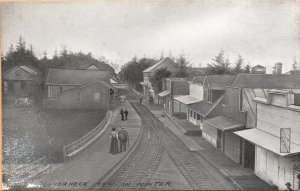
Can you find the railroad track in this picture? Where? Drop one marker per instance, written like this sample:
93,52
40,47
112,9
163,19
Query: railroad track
194,171
142,163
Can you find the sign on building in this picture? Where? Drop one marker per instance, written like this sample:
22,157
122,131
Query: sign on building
285,140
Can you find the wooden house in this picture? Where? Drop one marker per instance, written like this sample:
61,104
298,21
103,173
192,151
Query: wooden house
239,112
78,89
195,95
276,138
174,87
22,81
213,93
149,73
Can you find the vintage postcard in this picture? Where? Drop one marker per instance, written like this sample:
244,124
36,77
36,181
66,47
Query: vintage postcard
151,94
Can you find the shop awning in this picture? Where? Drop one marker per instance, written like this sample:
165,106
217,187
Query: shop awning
186,99
164,93
267,141
224,123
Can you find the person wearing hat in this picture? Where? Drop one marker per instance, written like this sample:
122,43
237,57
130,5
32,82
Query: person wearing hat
123,138
114,148
288,186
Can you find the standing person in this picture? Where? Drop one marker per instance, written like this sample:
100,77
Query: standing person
123,138
141,99
126,113
288,186
114,148
122,114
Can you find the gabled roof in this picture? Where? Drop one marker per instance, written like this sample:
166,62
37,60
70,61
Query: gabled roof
75,77
25,68
163,63
199,79
219,82
204,107
266,81
258,66
88,84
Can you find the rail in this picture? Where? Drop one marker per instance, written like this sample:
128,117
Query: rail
85,140
32,169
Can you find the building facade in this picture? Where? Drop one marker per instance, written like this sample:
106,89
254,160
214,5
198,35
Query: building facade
78,89
276,138
22,81
149,73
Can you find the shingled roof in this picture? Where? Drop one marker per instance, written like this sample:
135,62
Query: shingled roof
266,81
204,107
219,82
75,77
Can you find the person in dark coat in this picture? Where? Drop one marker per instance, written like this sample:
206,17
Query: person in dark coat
114,148
288,186
141,99
122,114
126,113
123,138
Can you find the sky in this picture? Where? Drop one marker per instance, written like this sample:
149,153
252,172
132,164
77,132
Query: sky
261,31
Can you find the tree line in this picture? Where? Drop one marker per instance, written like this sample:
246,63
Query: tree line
20,55
132,71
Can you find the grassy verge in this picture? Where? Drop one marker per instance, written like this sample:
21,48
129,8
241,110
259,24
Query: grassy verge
29,133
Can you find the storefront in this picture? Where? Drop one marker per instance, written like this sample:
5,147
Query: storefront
219,131
271,165
162,98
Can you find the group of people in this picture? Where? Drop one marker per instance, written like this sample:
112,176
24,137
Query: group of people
120,137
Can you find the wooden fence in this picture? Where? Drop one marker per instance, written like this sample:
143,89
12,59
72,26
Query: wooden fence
78,145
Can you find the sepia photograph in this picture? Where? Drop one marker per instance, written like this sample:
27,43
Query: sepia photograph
150,94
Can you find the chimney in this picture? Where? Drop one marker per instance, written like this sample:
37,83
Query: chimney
278,68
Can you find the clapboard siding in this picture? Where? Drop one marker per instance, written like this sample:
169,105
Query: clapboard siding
53,90
232,107
271,118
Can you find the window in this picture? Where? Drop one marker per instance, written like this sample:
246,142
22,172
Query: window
191,113
194,115
77,96
23,85
198,116
97,95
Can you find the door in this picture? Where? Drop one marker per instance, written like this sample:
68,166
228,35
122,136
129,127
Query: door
249,159
219,139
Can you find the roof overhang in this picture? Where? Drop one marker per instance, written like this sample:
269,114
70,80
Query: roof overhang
267,141
186,99
164,93
224,124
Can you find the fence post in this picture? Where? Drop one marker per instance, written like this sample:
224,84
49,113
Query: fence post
64,154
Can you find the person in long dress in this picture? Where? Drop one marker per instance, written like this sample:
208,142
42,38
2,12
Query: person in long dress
114,148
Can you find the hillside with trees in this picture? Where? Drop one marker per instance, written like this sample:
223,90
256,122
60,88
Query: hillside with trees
20,55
